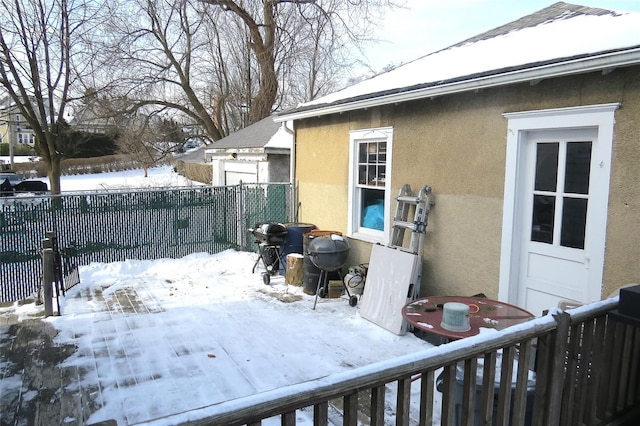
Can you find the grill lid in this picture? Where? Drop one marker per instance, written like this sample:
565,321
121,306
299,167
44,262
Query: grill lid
328,244
270,228
329,252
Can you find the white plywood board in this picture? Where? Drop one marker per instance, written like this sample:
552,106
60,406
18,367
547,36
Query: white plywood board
391,278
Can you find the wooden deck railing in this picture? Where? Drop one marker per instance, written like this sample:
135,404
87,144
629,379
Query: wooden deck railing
586,372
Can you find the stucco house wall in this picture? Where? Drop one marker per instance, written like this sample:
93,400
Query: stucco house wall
457,145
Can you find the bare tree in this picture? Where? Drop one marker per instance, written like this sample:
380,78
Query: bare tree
40,41
148,141
223,64
301,43
312,56
156,57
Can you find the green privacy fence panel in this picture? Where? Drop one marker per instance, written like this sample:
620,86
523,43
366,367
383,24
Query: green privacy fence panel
23,223
264,205
148,224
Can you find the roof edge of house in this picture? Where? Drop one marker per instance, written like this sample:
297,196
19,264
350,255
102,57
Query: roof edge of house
597,62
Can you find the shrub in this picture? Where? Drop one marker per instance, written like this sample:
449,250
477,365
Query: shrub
198,172
112,163
18,149
79,166
90,145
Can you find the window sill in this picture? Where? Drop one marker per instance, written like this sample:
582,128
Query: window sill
369,238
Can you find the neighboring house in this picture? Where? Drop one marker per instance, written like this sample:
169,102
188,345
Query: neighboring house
14,129
99,115
258,153
85,120
529,135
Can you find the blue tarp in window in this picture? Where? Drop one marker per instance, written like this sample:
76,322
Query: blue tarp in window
373,216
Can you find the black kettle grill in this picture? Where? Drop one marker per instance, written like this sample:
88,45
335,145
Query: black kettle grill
329,253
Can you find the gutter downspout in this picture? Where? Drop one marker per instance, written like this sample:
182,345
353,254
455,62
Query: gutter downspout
292,171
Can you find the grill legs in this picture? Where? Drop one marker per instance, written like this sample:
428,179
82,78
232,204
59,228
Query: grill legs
322,291
270,256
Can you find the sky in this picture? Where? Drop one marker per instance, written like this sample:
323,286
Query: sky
425,26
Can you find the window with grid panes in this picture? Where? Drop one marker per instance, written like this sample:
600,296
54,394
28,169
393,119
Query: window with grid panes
369,184
26,138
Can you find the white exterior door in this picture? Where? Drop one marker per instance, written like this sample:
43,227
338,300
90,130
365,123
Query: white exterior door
556,198
555,260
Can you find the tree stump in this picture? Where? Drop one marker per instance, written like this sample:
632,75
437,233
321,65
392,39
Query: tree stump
294,273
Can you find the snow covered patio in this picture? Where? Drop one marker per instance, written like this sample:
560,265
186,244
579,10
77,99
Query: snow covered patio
141,340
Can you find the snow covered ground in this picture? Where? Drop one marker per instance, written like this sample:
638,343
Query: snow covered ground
206,329
5,159
158,177
214,332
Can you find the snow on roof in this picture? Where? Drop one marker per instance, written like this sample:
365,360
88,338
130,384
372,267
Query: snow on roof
256,135
559,34
282,139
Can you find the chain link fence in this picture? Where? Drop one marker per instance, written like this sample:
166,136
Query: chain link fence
137,224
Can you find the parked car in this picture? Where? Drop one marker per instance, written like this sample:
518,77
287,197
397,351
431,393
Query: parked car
7,182
192,144
13,178
12,184
31,186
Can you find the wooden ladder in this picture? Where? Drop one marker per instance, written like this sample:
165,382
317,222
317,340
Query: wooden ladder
421,204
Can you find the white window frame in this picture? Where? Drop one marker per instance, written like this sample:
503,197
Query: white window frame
354,230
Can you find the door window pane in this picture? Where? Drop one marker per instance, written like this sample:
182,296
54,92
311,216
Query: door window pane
543,213
574,219
578,167
546,166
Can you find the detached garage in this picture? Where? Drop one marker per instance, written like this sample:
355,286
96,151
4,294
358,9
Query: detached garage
259,153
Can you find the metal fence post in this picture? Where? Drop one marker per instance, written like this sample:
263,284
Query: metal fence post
48,275
294,206
45,243
241,218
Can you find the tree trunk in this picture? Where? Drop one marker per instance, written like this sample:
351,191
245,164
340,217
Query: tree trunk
54,173
262,105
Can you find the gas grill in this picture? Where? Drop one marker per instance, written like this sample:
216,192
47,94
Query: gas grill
270,236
